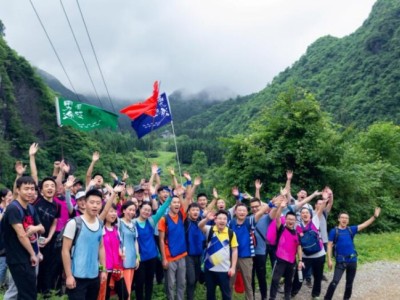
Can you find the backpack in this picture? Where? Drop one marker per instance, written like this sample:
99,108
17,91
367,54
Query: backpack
21,211
337,236
310,241
59,240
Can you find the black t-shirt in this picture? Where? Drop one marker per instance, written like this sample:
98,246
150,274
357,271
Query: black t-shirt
47,211
15,252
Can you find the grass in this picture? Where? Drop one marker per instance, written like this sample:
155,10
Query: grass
370,248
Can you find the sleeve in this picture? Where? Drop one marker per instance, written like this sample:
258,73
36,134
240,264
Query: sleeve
68,200
161,211
234,242
70,228
354,229
208,228
315,221
331,236
161,225
14,217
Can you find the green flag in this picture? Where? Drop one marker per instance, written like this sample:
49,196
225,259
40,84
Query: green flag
83,116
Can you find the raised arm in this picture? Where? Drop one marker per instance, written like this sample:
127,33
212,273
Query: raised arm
68,185
258,185
329,205
370,220
95,158
189,193
19,170
174,181
289,176
117,189
308,199
262,211
202,224
32,161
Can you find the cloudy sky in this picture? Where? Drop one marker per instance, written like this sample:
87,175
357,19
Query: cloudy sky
187,44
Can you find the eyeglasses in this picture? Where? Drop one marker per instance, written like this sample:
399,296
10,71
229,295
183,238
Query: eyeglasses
254,207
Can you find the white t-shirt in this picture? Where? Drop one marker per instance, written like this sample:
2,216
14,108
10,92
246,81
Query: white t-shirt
70,228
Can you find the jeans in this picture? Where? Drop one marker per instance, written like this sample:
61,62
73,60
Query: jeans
3,270
317,266
260,269
350,269
214,279
193,264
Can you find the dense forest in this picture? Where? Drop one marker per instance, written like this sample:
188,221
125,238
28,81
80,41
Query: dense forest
332,117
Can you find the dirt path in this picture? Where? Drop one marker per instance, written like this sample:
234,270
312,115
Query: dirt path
374,281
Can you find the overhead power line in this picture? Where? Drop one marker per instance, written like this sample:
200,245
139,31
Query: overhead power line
55,51
95,55
80,53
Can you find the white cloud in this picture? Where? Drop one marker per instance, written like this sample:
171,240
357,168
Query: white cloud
239,44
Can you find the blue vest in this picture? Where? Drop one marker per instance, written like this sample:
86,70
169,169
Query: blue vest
85,255
194,238
147,244
175,236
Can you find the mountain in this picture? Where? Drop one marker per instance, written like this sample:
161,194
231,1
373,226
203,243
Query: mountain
355,78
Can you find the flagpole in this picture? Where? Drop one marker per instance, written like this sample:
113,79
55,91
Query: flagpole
176,145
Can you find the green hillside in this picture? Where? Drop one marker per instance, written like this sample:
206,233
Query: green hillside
355,78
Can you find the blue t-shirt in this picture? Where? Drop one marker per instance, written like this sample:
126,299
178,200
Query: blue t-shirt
345,251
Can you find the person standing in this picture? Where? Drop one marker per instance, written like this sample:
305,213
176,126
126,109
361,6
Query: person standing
21,226
221,254
82,265
341,237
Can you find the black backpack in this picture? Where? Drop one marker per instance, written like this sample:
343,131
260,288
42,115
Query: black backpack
60,236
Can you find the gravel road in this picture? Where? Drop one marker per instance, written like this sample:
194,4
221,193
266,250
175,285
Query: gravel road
374,281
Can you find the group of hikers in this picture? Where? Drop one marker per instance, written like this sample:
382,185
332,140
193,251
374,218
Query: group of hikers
91,240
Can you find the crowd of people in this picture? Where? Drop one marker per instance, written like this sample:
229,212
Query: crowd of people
91,240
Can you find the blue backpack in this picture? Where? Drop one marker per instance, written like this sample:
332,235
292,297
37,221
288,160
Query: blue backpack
310,240
21,211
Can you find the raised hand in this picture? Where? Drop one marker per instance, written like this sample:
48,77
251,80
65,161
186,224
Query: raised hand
197,181
258,184
95,156
129,190
283,192
70,182
187,176
235,191
119,188
33,149
289,174
20,168
154,169
56,164
113,176
172,172
125,175
179,190
377,212
215,193
66,168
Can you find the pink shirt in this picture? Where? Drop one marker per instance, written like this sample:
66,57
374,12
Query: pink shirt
64,215
111,247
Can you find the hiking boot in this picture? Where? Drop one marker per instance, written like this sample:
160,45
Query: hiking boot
308,282
281,289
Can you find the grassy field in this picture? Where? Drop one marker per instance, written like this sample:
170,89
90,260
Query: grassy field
370,248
